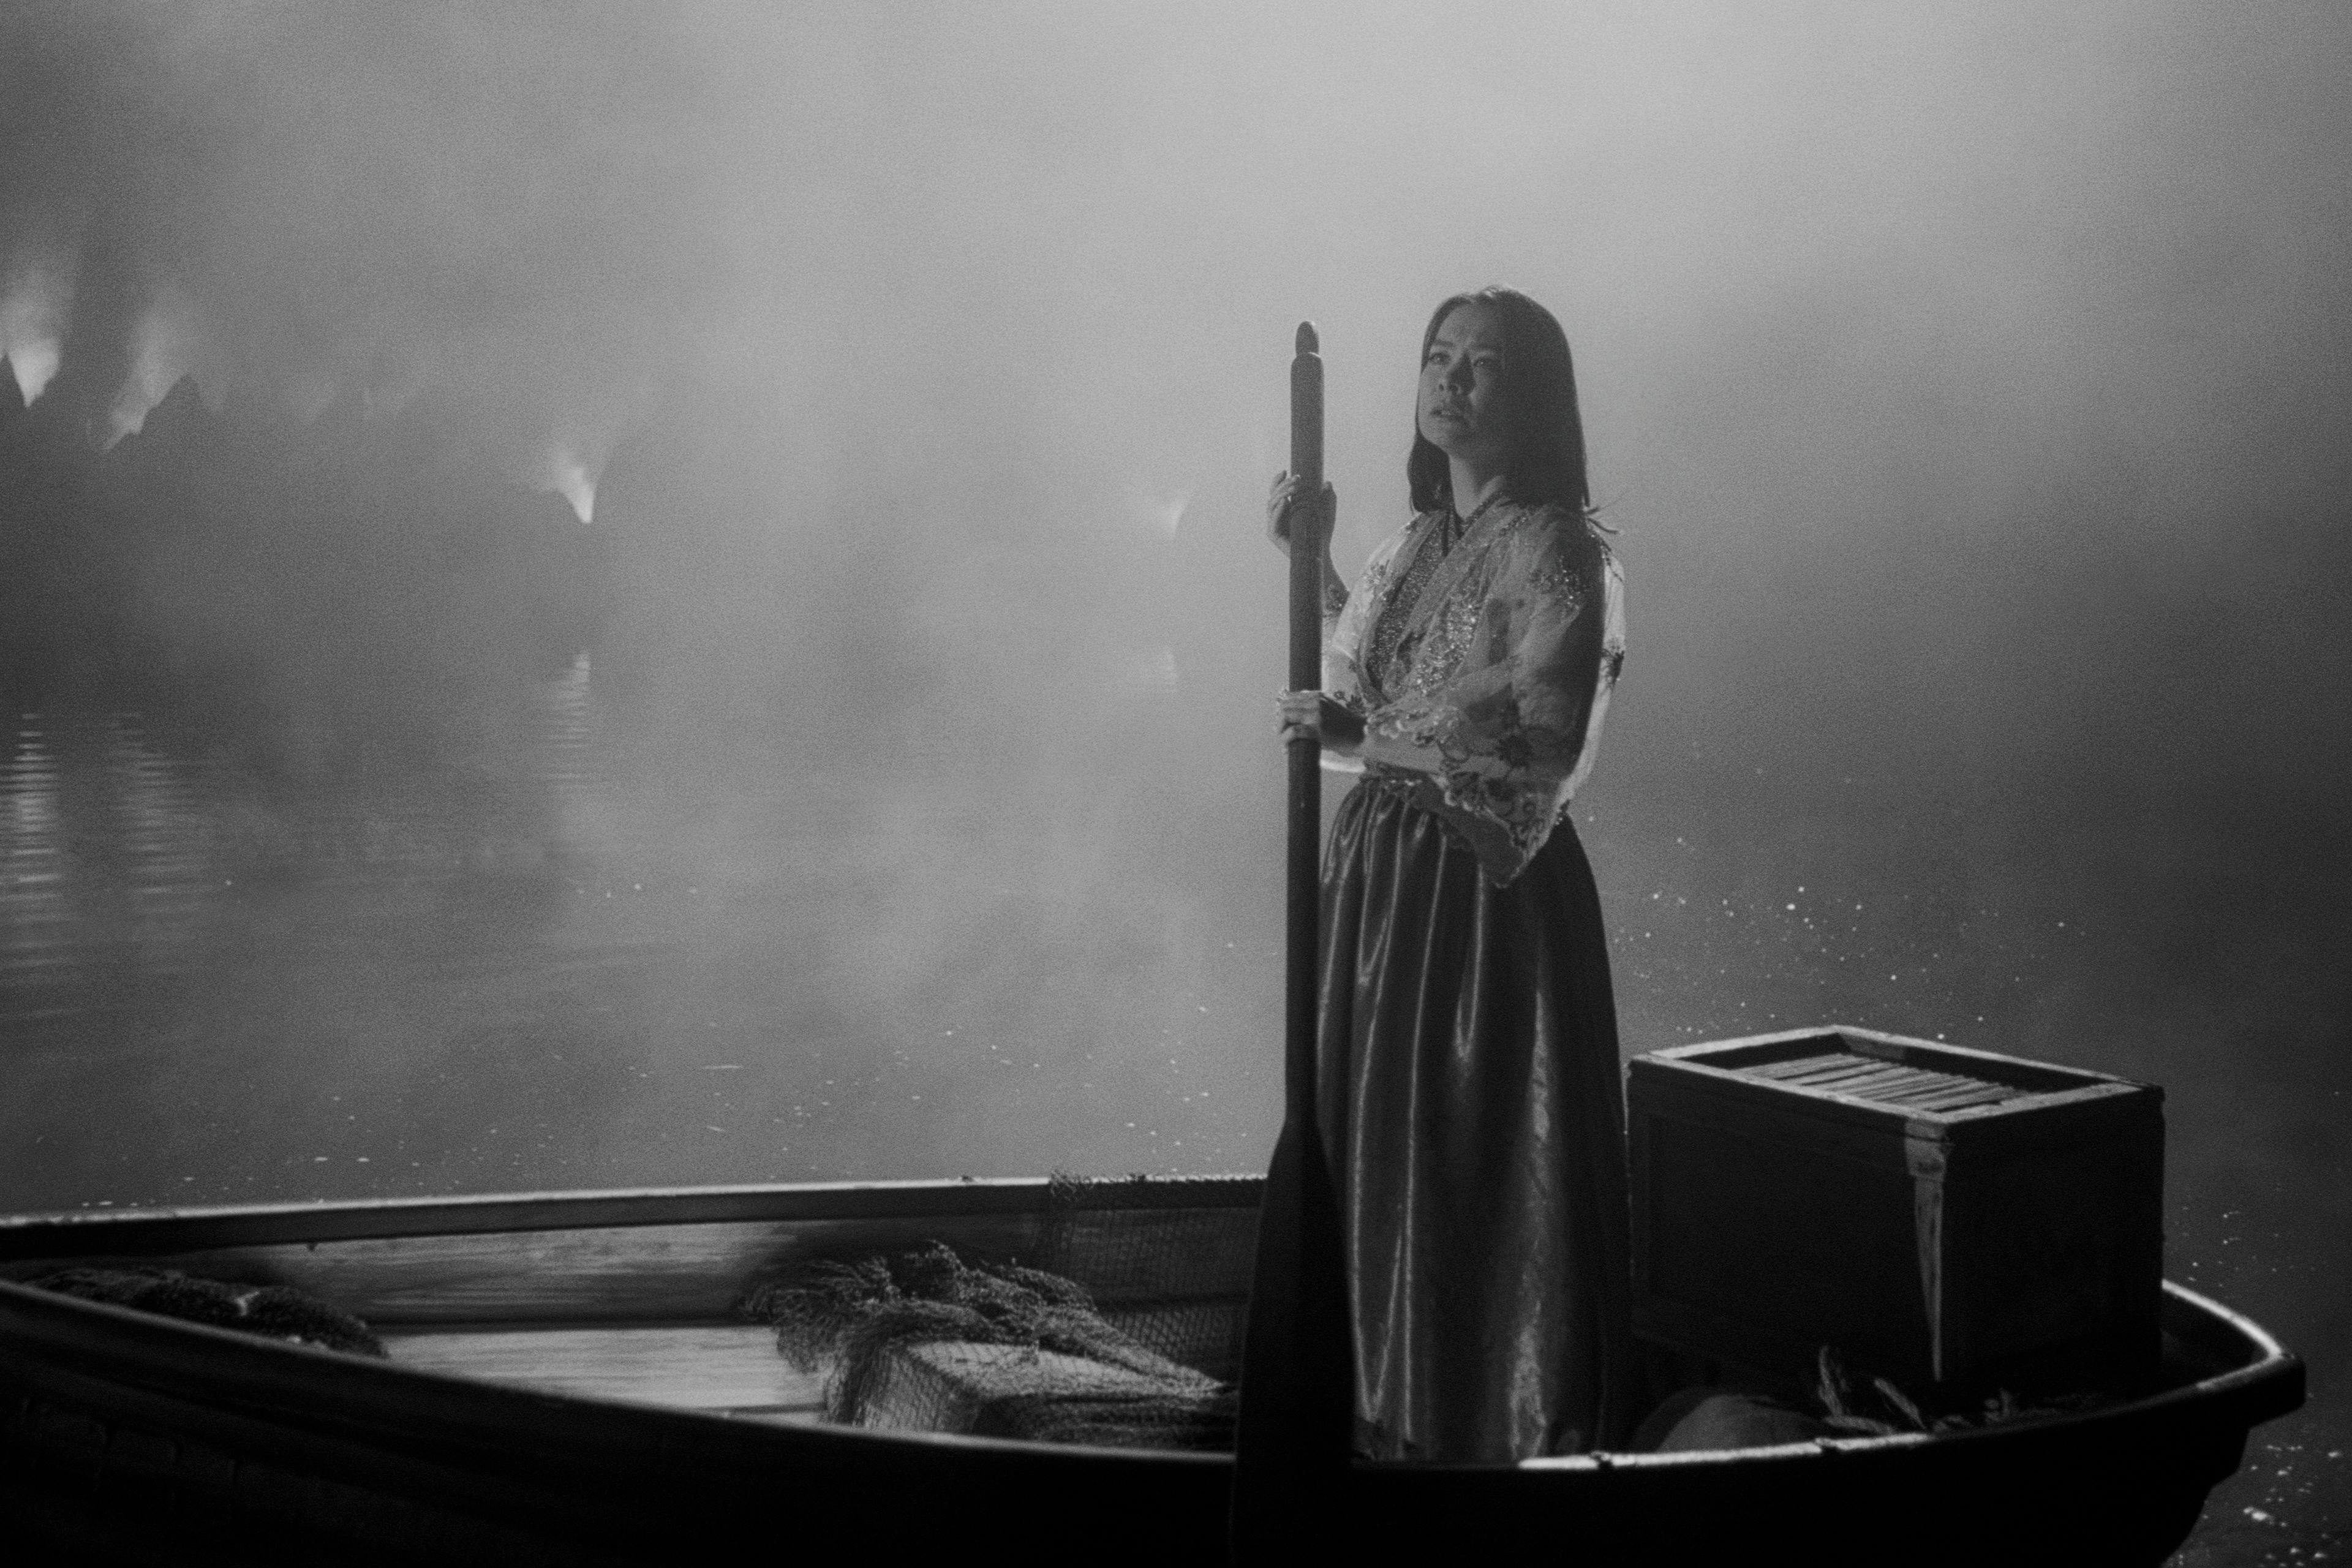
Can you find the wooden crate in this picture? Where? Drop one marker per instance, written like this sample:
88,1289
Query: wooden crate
1940,1216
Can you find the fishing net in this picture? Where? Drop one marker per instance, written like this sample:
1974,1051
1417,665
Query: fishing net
932,1339
943,1341
273,1311
1176,1281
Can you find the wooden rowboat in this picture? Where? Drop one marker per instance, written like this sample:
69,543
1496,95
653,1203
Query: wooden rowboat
568,1383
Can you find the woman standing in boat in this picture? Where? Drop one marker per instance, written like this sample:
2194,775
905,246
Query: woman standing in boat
1467,1067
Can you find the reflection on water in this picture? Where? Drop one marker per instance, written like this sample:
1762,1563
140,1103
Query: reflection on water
111,883
128,871
554,947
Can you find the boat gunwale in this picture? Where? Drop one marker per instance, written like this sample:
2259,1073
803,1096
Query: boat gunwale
379,1219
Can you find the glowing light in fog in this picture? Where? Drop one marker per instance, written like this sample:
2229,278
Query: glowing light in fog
165,345
32,321
1159,511
572,481
35,363
572,472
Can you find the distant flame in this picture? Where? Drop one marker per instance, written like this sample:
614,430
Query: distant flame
572,472
1156,509
165,345
572,479
33,306
35,362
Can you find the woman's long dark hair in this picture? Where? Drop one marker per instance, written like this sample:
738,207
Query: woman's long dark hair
1546,432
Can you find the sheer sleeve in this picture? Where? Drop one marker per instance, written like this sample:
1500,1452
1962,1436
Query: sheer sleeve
1501,712
1344,633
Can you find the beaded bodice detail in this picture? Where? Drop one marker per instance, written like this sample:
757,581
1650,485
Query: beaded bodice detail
1481,653
1392,637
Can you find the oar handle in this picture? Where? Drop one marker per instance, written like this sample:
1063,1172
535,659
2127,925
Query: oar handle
1308,545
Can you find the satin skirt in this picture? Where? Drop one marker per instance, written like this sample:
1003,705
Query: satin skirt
1470,1101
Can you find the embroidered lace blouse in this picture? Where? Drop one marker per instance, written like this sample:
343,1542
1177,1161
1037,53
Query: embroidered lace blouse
1482,670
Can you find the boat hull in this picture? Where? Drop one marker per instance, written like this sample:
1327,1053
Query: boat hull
135,1438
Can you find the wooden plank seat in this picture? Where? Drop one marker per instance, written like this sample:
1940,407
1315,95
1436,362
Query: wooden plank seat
728,1368
734,1368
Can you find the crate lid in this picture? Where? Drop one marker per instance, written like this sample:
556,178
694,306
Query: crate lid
1911,1077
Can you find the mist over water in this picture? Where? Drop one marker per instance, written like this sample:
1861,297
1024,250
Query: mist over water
880,783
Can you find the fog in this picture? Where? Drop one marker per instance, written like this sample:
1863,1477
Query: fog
1975,375
1967,386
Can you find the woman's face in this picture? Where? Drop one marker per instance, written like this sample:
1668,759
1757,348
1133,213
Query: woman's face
1463,408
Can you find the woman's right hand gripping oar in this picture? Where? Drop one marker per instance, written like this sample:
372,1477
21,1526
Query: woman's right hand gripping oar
1310,715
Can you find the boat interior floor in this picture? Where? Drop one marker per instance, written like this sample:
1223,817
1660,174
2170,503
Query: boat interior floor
721,1368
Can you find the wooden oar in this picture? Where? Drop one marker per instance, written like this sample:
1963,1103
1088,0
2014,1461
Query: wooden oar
1296,1424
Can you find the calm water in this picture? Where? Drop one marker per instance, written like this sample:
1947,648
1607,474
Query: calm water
560,954
556,946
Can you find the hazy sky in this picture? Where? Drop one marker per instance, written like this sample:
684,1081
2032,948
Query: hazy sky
2003,339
